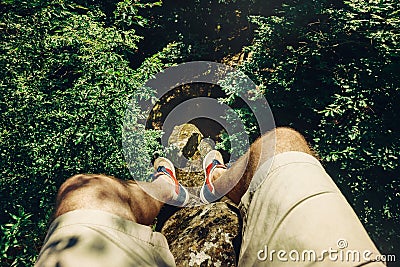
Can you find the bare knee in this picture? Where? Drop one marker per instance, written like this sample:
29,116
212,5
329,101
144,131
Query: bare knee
89,191
79,183
279,140
286,130
288,139
287,134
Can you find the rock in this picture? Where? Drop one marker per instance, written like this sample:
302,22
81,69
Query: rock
207,235
204,235
237,59
186,138
183,143
190,178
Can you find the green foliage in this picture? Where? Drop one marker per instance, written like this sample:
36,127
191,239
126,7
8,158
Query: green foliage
209,29
17,239
328,69
331,70
64,84
238,143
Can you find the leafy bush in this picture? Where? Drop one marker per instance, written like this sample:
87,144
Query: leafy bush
65,81
331,70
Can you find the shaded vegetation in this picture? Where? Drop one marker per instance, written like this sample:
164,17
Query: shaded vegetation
330,69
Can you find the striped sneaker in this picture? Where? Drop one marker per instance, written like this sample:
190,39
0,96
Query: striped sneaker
164,166
211,161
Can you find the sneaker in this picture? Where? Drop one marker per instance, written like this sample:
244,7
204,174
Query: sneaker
211,161
163,166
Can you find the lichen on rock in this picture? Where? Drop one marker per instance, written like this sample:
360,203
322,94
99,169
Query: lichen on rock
203,235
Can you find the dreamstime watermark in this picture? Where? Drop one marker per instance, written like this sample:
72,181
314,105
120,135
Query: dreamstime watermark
337,254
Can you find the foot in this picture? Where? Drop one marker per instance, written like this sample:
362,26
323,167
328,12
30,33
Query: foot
164,169
212,161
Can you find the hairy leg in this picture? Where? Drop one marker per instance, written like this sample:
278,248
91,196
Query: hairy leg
277,141
126,199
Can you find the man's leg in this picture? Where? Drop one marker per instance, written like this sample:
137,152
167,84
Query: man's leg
126,199
293,207
274,142
100,221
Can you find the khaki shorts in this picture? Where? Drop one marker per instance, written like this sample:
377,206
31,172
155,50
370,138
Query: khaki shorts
293,215
91,238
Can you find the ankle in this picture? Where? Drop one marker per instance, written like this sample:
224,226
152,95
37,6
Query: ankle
167,186
217,173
